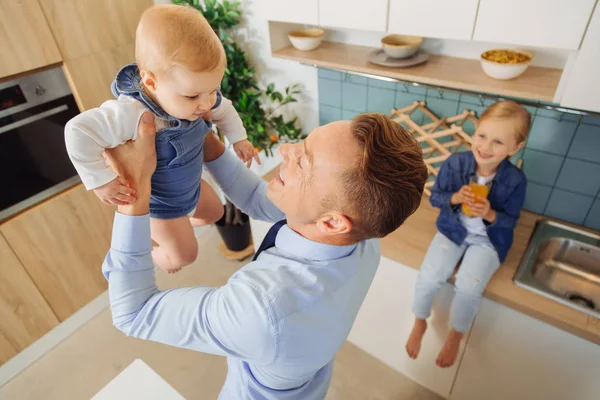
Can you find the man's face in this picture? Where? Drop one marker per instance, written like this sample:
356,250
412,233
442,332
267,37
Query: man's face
311,171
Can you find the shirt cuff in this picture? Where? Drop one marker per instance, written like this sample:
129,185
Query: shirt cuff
131,234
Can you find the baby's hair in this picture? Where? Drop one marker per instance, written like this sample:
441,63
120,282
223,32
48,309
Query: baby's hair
508,109
169,35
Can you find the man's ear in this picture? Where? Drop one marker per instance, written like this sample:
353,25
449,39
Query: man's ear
148,79
334,223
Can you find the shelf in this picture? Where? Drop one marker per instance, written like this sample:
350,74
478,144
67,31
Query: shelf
536,83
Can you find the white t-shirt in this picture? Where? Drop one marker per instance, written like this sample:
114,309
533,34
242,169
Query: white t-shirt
475,227
114,123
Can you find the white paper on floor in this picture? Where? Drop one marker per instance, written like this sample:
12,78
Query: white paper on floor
138,382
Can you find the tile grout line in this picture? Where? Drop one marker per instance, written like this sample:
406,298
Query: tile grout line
560,170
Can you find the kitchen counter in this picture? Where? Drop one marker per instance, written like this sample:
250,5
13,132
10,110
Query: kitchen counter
408,245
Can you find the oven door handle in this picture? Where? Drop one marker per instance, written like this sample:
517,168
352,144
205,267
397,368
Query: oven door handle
33,118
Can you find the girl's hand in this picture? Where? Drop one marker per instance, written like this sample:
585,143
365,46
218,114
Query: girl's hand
464,195
483,209
246,152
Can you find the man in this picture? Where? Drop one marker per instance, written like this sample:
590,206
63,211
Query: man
281,318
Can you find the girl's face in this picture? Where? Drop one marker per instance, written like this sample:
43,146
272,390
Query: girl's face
494,140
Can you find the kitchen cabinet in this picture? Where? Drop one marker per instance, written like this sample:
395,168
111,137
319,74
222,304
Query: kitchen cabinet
92,53
24,313
582,85
512,356
61,244
433,18
354,14
295,11
91,76
543,23
82,28
26,42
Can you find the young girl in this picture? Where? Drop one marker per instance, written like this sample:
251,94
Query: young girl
482,238
180,65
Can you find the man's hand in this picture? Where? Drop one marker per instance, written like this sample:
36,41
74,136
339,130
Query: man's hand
135,161
483,209
464,195
246,152
116,192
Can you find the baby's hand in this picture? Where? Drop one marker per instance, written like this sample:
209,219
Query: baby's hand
116,192
246,152
464,195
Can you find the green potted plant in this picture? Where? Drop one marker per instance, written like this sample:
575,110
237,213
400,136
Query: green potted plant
259,108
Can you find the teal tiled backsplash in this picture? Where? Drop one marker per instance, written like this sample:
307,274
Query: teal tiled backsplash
561,159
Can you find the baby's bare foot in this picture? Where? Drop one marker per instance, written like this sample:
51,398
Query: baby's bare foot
413,344
449,352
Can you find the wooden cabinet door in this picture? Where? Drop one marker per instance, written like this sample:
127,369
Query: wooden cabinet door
90,77
542,23
583,85
26,42
513,356
24,313
84,27
433,18
295,11
96,38
62,244
354,14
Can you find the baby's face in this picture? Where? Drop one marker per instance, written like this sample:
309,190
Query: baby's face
184,94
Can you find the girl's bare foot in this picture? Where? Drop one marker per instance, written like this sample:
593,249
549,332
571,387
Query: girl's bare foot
413,344
449,352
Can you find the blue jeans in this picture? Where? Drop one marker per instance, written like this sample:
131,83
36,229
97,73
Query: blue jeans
477,268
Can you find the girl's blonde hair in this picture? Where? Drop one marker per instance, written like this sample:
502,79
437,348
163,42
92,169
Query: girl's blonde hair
512,110
169,35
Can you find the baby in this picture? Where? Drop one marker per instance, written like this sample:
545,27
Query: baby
482,238
180,65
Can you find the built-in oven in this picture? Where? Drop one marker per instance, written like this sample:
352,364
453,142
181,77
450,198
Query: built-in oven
34,164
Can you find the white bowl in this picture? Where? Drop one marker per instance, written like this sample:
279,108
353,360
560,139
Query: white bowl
504,71
401,46
306,39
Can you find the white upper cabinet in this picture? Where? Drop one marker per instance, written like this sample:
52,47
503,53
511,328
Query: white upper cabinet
542,23
582,85
366,15
295,11
433,18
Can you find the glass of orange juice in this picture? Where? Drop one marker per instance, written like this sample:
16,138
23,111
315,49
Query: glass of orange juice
480,191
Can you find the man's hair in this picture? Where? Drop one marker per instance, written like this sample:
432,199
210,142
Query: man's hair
512,111
169,35
387,184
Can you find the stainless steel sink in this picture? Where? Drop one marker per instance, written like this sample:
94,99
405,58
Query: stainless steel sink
563,263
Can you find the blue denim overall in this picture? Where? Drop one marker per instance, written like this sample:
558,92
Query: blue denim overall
179,152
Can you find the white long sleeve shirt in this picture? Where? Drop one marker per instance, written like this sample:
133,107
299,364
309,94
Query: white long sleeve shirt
114,123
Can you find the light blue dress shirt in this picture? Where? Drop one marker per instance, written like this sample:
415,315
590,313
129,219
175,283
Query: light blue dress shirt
279,320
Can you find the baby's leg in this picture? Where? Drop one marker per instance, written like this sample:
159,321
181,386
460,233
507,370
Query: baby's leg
209,209
438,265
477,268
177,246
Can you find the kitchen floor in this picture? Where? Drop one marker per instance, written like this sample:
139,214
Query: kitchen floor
90,358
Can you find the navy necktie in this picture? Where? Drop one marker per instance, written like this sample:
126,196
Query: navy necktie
269,240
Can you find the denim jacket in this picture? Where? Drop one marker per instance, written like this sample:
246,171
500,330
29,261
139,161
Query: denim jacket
506,197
